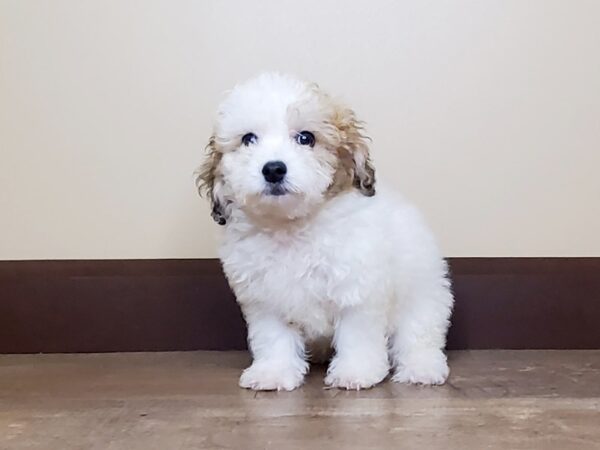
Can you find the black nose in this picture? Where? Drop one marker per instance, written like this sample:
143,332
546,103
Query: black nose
274,171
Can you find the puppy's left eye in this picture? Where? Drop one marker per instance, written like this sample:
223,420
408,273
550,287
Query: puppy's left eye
305,138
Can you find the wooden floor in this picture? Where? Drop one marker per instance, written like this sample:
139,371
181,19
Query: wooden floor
494,399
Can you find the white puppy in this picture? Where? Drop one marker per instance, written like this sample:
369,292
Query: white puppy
315,256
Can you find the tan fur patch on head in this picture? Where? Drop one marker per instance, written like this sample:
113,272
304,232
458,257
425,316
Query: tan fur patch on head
355,167
343,176
207,177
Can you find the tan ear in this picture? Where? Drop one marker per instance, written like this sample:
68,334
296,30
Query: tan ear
210,182
355,143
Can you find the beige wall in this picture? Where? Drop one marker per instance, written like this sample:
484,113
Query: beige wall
485,113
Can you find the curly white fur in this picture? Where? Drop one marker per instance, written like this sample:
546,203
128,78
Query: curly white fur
328,262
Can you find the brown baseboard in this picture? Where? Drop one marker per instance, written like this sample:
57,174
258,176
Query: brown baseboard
158,305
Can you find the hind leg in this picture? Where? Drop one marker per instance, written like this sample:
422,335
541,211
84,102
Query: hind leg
361,358
417,347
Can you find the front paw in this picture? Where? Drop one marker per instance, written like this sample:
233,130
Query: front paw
271,376
355,374
422,367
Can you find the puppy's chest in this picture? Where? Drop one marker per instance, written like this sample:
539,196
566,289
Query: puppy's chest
294,275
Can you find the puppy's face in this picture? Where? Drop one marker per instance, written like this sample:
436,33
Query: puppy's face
280,149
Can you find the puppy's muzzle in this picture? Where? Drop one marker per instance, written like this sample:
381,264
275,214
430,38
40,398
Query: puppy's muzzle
274,174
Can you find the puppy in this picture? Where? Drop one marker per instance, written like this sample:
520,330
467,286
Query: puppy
316,256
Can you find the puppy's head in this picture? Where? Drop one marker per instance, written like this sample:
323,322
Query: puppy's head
280,149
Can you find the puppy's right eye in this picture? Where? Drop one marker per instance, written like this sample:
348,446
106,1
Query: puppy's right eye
249,138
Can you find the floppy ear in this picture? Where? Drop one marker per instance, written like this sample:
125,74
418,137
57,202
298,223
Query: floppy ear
355,143
210,182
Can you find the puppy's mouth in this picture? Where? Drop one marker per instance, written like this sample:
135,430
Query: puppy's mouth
276,189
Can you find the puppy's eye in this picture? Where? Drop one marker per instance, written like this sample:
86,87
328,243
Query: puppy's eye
305,138
249,138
